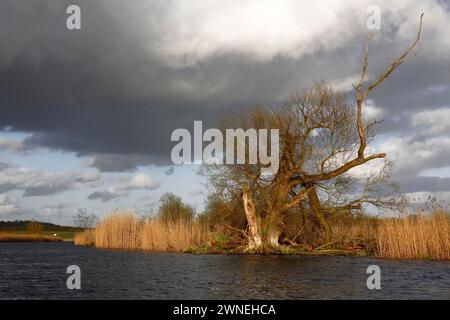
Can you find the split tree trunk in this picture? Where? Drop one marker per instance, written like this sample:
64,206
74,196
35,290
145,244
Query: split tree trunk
317,211
254,236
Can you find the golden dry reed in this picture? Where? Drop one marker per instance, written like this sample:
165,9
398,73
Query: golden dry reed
364,228
179,235
85,238
120,230
415,236
125,230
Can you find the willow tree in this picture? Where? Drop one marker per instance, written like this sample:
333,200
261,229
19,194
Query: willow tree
322,136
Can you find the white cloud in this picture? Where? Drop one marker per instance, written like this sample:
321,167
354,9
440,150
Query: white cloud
410,150
371,111
40,183
346,84
190,32
7,206
11,145
411,155
139,181
436,23
432,122
124,185
414,153
14,144
440,172
50,212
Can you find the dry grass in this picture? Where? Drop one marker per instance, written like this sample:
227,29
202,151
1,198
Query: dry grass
180,235
415,236
409,237
125,230
120,230
27,237
355,232
85,238
354,228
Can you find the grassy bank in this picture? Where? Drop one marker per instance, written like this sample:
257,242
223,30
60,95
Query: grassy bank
63,235
415,236
26,237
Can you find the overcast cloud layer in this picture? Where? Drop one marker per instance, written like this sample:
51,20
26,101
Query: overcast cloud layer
113,92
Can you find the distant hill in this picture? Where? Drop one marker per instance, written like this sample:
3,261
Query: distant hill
21,225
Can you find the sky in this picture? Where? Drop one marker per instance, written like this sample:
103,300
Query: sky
86,115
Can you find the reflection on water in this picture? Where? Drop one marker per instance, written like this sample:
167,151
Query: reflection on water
38,271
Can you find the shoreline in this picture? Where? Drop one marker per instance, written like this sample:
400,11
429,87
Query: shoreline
321,253
25,237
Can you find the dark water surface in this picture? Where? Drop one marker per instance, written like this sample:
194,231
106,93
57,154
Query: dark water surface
38,271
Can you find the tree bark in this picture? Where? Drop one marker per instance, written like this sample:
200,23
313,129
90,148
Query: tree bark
273,237
272,230
254,236
317,210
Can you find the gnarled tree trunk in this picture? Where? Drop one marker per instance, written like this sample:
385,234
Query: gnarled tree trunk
273,227
254,236
317,211
273,237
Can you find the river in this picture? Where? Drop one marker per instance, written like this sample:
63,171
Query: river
38,271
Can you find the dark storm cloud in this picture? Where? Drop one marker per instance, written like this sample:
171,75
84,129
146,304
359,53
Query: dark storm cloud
104,196
99,91
105,92
427,184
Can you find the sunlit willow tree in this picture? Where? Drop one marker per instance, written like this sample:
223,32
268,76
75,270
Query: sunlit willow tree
322,137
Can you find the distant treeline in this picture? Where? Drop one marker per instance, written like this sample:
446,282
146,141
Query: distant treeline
21,225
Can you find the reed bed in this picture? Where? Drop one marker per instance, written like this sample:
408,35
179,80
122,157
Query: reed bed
120,230
179,235
352,232
85,238
364,227
415,236
125,230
